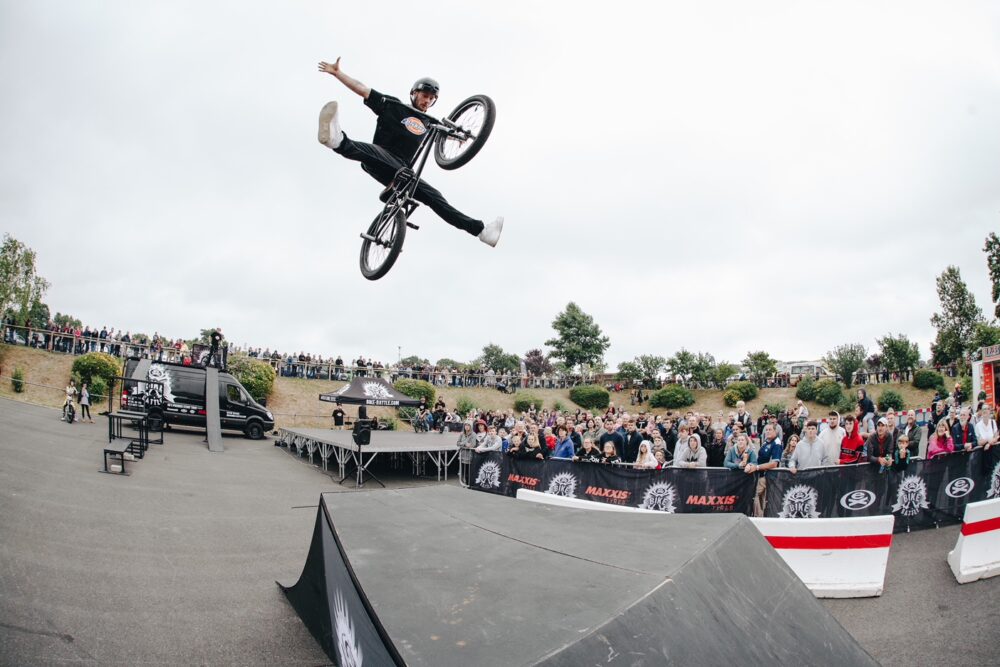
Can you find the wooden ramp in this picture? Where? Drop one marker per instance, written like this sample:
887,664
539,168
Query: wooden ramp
213,426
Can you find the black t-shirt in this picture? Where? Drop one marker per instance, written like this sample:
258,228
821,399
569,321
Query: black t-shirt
338,417
216,337
400,127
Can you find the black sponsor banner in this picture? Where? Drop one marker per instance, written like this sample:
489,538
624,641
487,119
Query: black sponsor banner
668,490
925,493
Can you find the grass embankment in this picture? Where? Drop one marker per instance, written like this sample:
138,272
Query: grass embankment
295,402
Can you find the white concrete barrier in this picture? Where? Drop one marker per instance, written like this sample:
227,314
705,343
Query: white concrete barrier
834,558
576,503
977,553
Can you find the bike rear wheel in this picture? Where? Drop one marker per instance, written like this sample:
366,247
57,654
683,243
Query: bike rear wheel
383,242
475,115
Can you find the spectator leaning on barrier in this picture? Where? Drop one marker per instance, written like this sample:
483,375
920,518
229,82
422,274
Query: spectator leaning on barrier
492,441
832,437
645,459
632,437
986,429
901,453
963,433
564,446
768,458
810,452
691,456
740,455
852,447
940,441
588,453
661,459
788,449
532,447
912,432
879,446
609,453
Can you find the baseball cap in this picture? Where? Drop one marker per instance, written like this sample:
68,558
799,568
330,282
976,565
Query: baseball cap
883,421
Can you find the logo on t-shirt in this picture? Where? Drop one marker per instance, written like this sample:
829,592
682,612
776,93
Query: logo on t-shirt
414,125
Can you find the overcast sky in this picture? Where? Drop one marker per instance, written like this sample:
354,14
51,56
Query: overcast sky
720,176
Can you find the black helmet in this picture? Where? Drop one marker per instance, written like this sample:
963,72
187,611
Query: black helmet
426,84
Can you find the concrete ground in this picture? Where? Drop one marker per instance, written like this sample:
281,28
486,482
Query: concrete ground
176,563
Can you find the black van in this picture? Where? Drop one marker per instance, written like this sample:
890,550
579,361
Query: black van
180,399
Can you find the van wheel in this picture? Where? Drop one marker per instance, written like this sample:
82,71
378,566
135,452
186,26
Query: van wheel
255,431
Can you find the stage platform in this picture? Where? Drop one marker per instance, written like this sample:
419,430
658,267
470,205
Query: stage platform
442,576
440,449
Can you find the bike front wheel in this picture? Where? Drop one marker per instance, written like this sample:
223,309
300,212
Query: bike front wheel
475,116
383,242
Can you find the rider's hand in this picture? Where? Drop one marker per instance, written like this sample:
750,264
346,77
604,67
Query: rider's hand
330,69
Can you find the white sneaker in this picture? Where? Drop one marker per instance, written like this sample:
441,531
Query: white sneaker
329,128
491,232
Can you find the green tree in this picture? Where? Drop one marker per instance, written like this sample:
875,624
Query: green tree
445,362
414,360
20,285
629,371
899,353
992,250
845,360
650,365
38,315
537,362
957,320
682,363
760,366
722,372
494,357
984,335
701,369
64,320
579,339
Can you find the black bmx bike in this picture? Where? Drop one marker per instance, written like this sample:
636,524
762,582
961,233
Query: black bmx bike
454,140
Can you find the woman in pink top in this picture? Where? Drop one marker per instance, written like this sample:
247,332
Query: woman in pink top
940,441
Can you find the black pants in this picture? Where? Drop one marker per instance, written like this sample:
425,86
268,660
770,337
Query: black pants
84,411
382,166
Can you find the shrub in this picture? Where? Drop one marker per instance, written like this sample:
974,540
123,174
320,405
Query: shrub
523,401
730,397
775,408
98,389
17,380
889,399
671,396
464,406
747,390
407,414
806,389
846,404
416,389
590,396
256,376
925,378
96,364
828,392
391,424
559,406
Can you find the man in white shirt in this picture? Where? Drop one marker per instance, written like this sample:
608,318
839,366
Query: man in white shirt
986,429
832,437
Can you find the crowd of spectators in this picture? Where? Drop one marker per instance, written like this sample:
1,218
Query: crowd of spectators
735,441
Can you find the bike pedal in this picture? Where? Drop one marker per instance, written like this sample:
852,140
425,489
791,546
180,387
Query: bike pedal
411,225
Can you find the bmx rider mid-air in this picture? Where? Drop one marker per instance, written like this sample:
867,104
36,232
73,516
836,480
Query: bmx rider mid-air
398,132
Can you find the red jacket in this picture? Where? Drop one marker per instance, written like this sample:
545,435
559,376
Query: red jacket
852,449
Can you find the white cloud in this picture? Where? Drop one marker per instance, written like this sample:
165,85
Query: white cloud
724,177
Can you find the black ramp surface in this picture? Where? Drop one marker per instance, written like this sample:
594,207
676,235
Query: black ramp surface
213,425
465,578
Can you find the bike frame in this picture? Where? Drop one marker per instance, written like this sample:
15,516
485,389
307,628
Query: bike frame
416,165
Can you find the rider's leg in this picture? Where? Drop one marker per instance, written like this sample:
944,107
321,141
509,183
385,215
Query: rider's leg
329,128
434,200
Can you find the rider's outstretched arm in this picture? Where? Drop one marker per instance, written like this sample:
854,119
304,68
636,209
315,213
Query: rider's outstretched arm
355,85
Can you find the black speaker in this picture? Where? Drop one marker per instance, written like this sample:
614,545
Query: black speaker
362,432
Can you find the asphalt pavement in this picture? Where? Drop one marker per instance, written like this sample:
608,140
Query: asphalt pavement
176,563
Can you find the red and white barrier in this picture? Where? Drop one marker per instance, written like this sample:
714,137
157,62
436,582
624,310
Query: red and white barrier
977,553
834,558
